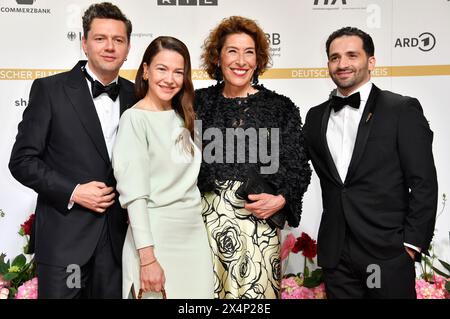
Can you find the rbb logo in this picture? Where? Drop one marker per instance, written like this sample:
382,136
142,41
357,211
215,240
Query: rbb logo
187,2
327,2
274,38
424,42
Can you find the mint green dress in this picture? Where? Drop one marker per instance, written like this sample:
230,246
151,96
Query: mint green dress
157,183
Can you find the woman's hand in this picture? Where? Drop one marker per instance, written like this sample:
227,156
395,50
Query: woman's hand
265,205
151,275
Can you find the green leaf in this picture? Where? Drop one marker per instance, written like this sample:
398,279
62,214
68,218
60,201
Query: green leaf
440,272
10,276
447,286
306,274
315,279
3,266
446,266
311,282
12,292
19,261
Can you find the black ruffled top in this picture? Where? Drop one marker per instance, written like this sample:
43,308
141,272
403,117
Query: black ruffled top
264,109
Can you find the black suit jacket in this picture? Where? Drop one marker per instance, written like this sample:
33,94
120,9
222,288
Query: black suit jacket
389,196
60,144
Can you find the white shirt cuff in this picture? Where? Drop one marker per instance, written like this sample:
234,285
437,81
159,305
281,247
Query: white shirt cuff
413,247
71,202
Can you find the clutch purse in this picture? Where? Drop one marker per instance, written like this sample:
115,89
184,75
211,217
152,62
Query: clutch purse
255,184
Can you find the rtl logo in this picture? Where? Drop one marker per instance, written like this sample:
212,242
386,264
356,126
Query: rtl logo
327,2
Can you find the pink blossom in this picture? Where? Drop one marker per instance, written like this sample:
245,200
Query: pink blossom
319,291
4,292
3,282
29,290
291,290
427,290
305,293
287,246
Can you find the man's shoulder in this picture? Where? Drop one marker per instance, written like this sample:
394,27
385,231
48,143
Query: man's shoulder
126,84
318,108
54,79
394,100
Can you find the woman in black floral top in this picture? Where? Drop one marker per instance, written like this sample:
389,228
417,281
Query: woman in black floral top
247,127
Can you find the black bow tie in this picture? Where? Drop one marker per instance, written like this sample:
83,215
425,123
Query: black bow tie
97,88
337,102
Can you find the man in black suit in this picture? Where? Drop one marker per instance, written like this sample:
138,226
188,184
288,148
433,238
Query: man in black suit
372,152
63,152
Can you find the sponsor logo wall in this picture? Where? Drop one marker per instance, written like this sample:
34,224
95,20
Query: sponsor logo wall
43,37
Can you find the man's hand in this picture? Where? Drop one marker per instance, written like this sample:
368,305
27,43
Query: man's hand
265,205
411,252
95,196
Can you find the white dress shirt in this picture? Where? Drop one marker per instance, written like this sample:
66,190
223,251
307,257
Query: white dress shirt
108,112
341,134
342,130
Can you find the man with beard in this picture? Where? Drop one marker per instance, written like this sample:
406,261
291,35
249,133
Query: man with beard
372,151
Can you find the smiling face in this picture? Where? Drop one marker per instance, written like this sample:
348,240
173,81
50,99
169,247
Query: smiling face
238,60
106,47
348,64
165,76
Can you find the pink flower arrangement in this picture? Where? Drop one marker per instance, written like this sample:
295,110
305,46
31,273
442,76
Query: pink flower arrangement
18,275
292,288
29,290
306,285
432,290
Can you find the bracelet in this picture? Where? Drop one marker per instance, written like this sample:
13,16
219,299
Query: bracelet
149,263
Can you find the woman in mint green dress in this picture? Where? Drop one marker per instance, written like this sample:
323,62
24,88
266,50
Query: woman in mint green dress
156,165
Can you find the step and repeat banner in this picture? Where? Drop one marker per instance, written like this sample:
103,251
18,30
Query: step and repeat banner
412,46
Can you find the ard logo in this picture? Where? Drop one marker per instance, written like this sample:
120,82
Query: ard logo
424,42
188,2
328,2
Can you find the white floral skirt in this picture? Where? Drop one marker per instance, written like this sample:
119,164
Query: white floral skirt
246,250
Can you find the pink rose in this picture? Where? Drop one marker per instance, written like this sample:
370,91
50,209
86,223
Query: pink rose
287,246
4,292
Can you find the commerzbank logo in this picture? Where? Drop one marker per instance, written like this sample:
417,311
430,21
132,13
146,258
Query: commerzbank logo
24,7
188,2
29,2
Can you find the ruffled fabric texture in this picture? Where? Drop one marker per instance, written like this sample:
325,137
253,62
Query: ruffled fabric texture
264,109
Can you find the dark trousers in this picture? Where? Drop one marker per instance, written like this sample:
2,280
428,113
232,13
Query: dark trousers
99,278
360,275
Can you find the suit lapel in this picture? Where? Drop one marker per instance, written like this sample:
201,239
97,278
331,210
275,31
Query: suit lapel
78,92
364,128
126,95
323,135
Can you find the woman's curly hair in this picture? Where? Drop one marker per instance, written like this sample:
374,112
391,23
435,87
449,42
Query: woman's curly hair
234,25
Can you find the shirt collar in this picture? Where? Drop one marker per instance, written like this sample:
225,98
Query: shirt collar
363,90
92,74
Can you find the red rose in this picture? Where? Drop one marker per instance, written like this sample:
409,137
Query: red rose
26,227
306,245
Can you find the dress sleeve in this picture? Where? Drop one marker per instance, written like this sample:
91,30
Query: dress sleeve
131,162
294,173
